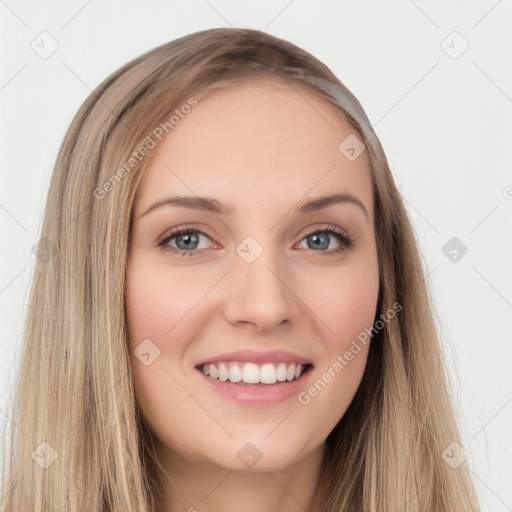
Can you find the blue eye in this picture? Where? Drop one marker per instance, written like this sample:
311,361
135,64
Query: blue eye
187,240
186,237
320,239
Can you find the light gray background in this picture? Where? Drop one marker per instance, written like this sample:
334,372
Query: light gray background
444,120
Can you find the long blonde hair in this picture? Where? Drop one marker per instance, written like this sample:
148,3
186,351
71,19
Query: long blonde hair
77,440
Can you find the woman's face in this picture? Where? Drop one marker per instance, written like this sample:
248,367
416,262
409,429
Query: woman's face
254,285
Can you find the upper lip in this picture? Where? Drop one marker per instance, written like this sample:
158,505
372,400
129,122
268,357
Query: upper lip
269,356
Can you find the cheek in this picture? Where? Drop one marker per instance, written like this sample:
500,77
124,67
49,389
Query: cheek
146,297
156,300
347,309
162,307
346,301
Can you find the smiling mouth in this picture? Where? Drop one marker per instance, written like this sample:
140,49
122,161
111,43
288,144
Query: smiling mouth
252,374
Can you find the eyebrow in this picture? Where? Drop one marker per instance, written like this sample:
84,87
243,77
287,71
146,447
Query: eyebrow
214,206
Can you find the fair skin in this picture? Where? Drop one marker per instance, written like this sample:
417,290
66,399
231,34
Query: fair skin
263,149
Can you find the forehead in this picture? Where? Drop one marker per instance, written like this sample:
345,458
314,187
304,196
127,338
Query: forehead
257,144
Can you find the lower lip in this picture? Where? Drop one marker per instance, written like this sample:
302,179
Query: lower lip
259,395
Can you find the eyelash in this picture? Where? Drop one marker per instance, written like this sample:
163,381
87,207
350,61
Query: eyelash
346,242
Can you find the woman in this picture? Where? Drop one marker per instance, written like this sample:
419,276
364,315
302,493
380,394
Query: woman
229,309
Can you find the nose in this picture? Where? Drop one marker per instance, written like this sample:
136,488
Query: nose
260,295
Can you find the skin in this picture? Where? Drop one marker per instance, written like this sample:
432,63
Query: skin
264,148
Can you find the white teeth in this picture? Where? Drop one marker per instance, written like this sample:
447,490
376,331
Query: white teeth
268,374
252,373
235,373
290,373
223,372
281,372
